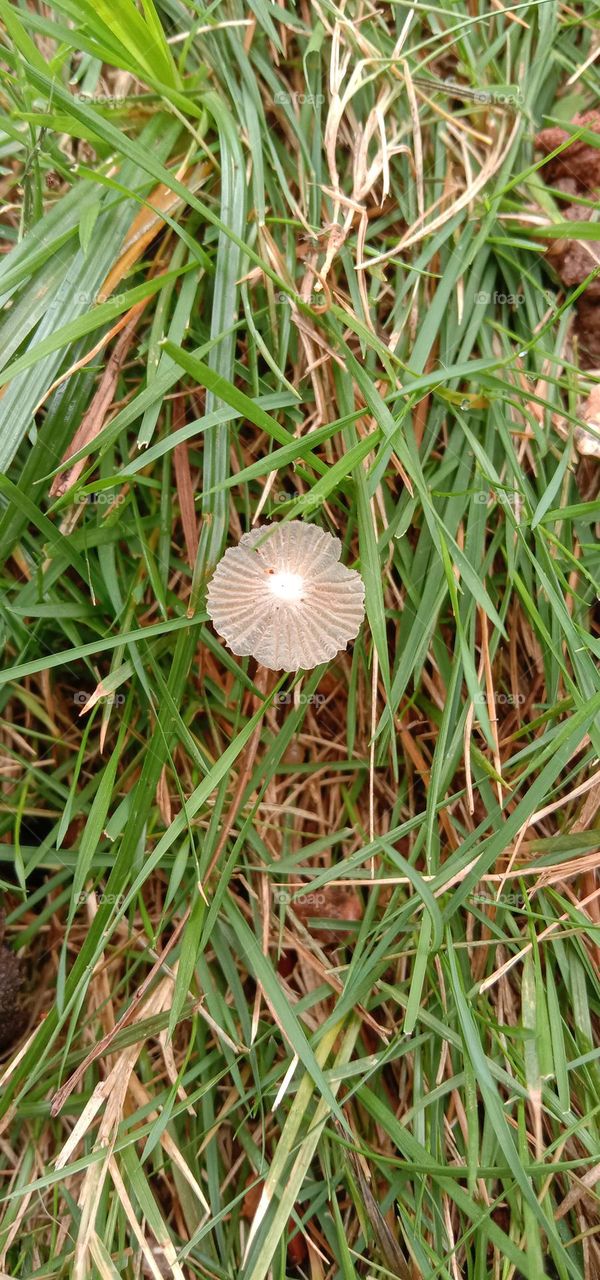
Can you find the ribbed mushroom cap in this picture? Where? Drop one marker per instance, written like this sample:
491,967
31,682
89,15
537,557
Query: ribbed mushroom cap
282,597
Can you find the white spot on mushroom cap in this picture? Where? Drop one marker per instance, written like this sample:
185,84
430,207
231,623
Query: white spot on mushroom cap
283,597
286,586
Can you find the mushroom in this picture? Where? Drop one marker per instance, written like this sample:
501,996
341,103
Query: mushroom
282,597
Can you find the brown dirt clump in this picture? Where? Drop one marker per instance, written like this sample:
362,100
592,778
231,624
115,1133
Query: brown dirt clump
571,260
588,332
580,162
12,1019
576,172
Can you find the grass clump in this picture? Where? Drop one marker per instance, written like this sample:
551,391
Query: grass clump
308,964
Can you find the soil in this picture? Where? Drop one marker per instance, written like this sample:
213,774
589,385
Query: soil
576,172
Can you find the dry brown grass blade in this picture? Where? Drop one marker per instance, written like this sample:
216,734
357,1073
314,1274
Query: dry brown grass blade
389,1249
128,1016
583,1186
114,1091
585,820
185,488
142,1097
148,222
545,933
101,403
129,1210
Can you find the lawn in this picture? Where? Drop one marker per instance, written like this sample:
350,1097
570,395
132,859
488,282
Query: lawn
300,969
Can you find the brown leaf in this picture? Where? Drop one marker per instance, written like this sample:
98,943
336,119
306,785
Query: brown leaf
163,798
329,902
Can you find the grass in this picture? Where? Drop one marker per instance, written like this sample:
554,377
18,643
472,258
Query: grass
310,963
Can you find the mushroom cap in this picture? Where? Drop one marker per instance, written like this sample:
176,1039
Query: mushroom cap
283,597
